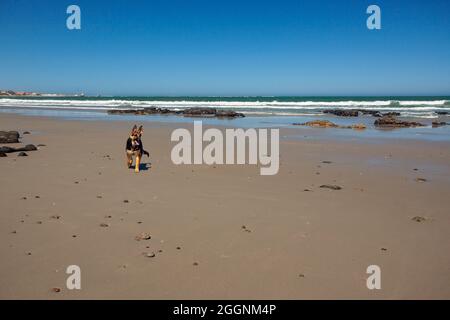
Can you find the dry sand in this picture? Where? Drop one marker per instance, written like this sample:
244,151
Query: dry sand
296,244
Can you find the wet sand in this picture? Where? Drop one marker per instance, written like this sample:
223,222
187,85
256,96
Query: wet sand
221,231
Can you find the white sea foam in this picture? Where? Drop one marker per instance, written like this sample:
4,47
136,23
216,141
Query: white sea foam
418,108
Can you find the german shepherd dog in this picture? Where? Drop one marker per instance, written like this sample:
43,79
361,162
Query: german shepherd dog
135,148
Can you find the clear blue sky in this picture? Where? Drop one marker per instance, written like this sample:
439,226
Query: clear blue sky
226,47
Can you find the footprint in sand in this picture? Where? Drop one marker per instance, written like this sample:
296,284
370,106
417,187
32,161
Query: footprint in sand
143,236
418,219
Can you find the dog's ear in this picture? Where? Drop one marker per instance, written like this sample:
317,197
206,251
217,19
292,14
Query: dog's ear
133,130
141,129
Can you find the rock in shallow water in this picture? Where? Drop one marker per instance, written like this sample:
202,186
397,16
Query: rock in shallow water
342,113
329,124
436,124
391,122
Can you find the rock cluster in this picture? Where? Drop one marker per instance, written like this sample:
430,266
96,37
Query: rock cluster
329,124
356,112
190,112
392,122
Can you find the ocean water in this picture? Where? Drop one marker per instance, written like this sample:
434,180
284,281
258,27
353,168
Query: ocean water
259,111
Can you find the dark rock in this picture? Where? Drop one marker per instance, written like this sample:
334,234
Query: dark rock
436,124
391,122
330,186
26,132
342,113
28,147
194,112
9,137
391,114
2,154
22,154
6,149
229,114
441,112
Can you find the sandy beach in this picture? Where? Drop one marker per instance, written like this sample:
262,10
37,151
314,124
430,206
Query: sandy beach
222,231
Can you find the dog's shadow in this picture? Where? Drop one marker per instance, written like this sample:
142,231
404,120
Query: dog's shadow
143,166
